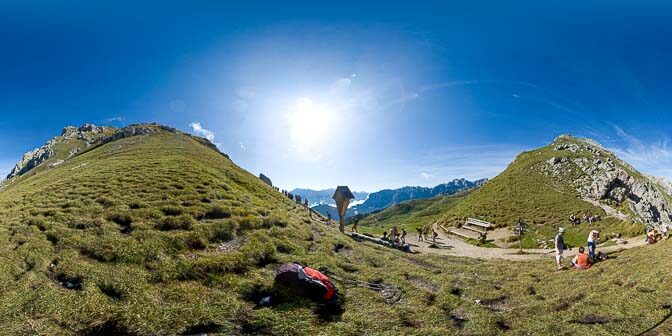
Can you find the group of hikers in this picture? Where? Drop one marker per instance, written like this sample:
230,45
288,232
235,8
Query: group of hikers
394,236
424,232
581,260
653,236
590,219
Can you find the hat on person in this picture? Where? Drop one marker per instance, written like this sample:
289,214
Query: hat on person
561,230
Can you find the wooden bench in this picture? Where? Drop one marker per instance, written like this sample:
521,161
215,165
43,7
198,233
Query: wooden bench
471,229
476,225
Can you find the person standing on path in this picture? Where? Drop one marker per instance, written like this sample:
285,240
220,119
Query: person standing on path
664,228
403,235
559,247
593,237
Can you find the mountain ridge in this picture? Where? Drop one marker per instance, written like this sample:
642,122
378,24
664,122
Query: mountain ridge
75,140
388,197
545,185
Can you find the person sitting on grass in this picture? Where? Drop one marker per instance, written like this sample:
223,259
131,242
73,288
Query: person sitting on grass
581,260
384,237
651,237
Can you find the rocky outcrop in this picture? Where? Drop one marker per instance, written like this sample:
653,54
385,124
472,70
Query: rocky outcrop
663,182
598,175
33,159
79,138
266,179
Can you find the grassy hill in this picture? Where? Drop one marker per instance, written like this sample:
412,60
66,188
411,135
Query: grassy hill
410,214
544,201
158,234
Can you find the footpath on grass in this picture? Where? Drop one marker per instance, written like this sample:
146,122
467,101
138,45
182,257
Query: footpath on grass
447,245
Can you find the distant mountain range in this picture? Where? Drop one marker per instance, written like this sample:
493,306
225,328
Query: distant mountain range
385,198
316,197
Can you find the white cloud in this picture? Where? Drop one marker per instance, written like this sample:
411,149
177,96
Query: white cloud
426,176
199,130
242,146
115,119
470,162
653,158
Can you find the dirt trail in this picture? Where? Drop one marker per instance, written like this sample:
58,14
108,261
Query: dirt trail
611,212
452,246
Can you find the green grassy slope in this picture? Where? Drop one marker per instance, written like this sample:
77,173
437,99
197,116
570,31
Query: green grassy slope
543,202
206,238
411,214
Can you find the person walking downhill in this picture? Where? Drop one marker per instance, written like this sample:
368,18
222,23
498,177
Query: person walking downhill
593,237
559,247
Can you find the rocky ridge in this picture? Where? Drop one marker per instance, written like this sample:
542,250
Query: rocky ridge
598,175
76,140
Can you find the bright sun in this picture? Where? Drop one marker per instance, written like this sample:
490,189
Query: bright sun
309,124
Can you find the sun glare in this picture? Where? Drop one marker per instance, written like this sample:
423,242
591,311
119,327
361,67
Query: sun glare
309,123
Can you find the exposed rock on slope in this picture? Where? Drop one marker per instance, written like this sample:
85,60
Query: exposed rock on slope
78,139
597,174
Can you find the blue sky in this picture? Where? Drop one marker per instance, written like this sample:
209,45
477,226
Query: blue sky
369,94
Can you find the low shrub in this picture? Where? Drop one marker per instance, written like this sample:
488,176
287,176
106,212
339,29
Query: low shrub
182,222
172,210
122,219
105,201
217,212
223,231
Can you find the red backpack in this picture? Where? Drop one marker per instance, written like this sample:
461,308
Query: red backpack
305,281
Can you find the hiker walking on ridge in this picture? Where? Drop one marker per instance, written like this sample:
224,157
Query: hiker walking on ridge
559,247
403,236
593,237
419,230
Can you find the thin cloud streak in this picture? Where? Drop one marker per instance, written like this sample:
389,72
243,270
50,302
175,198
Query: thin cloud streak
654,158
470,162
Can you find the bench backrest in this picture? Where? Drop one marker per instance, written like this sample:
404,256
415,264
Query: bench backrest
478,222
